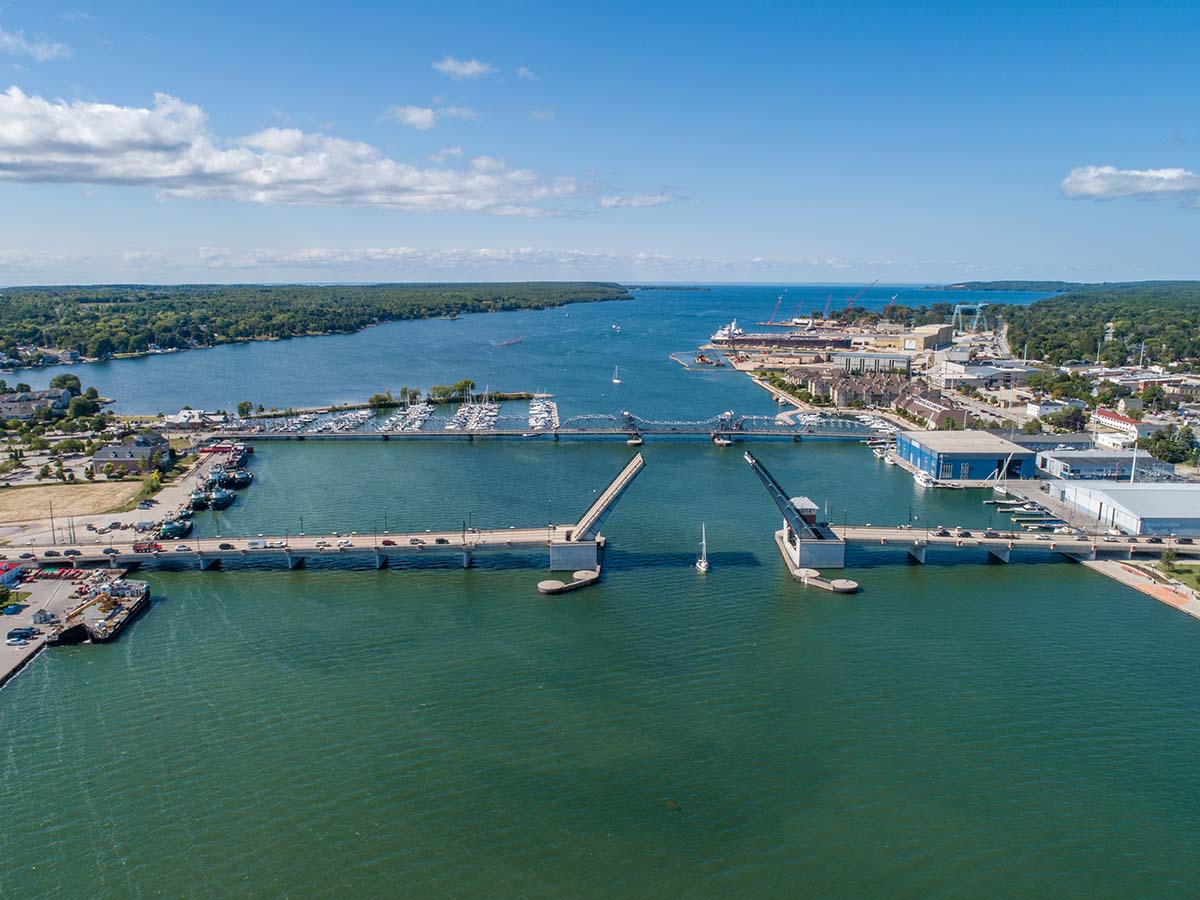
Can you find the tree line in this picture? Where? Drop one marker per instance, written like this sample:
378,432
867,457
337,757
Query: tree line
101,321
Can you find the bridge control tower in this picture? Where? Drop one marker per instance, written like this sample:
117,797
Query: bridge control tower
805,544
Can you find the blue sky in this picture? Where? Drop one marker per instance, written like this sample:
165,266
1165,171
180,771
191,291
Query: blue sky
665,142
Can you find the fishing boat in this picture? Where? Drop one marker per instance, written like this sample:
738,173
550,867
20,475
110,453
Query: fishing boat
702,559
616,375
220,499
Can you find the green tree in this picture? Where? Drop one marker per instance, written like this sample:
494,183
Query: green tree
69,381
244,409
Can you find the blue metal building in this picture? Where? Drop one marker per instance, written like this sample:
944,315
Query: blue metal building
975,455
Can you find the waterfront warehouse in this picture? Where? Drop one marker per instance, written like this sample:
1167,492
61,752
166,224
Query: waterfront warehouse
965,455
1136,508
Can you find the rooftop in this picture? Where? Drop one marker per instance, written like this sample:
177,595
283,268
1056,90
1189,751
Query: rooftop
1149,500
964,442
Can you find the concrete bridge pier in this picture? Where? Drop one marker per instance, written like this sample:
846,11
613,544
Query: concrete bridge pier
917,553
1001,554
295,562
207,563
468,559
381,560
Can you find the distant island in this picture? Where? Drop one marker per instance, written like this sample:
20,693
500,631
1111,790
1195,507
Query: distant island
666,287
1034,286
40,325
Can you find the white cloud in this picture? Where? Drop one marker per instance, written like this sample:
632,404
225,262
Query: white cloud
16,44
523,72
419,117
423,117
463,68
168,147
1109,182
635,200
542,114
445,153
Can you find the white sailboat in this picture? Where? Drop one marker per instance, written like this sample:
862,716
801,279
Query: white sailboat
616,375
702,559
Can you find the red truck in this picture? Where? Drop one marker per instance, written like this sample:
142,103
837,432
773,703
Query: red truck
147,547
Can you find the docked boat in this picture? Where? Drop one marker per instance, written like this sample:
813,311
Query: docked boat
924,479
198,499
877,452
220,499
635,441
721,441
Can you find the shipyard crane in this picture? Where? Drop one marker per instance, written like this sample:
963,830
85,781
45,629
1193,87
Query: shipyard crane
775,311
887,309
828,303
860,293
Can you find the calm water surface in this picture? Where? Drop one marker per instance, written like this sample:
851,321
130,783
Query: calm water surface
952,731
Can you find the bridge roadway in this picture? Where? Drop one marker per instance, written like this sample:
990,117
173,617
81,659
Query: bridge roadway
793,433
294,549
1090,546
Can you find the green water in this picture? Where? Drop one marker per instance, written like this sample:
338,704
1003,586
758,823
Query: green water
955,730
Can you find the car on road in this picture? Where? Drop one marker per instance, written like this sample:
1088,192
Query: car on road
51,553
941,532
1184,540
16,642
110,551
1109,539
416,541
441,540
321,545
72,552
388,542
1131,540
225,547
962,532
27,555
182,548
991,533
343,543
1153,540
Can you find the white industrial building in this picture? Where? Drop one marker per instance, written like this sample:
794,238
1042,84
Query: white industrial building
1103,464
1135,508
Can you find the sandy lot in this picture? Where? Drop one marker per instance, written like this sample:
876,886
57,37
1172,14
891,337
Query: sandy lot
20,504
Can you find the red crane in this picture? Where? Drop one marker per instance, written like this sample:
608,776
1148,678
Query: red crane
860,293
775,311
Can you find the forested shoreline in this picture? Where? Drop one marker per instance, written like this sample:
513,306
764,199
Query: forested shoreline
104,320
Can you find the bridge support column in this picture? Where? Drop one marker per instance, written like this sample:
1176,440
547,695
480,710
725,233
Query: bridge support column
571,556
1000,554
295,562
467,559
209,563
381,560
917,553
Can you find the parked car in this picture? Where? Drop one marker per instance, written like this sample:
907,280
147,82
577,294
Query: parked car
16,642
